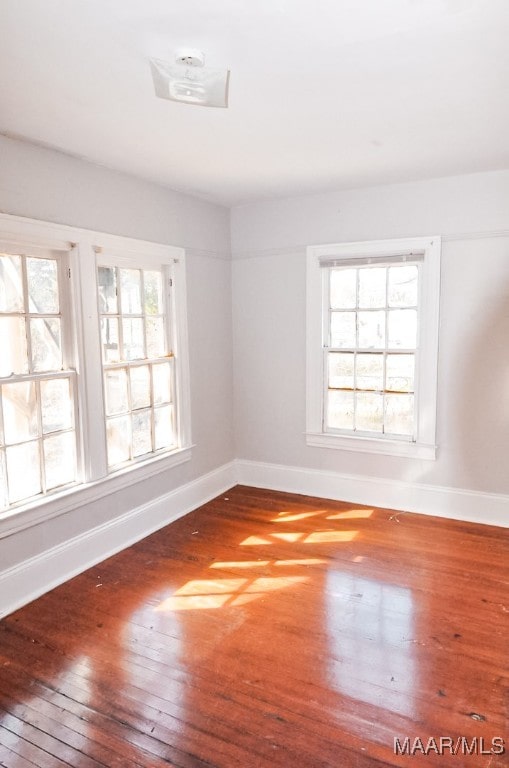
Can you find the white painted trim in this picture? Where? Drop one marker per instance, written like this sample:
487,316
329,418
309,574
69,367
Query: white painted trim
73,497
357,444
453,503
32,578
300,250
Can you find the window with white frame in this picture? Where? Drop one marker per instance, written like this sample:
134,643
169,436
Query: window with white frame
137,361
94,372
372,345
37,376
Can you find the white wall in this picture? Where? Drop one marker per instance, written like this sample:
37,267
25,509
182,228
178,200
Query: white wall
47,185
268,244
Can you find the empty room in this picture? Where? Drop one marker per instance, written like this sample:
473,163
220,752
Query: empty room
254,384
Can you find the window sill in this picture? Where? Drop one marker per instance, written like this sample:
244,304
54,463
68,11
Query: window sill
372,445
58,503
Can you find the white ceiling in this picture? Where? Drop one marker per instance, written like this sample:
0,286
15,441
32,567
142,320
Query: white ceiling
324,94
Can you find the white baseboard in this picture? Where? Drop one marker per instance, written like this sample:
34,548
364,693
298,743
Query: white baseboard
471,506
60,563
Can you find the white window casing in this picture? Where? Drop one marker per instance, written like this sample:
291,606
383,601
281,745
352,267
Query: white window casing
79,252
358,257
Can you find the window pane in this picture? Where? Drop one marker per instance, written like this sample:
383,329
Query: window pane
343,288
13,355
56,405
133,342
161,377
119,440
371,330
109,339
23,471
369,371
372,287
11,285
115,386
369,412
403,286
399,414
107,279
341,370
46,344
153,285
140,386
403,328
400,373
130,285
42,286
156,343
142,433
163,427
19,407
340,410
343,330
59,460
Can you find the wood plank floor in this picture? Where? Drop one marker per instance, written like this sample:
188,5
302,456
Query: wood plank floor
267,629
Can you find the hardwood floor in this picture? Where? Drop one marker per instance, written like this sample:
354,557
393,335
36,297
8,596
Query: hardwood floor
267,629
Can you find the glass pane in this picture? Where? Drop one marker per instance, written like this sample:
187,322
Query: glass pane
343,288
400,373
371,330
142,433
372,286
369,412
342,330
42,286
19,406
107,279
11,285
130,285
140,386
163,427
399,414
46,344
23,471
153,284
339,409
109,339
156,343
60,460
403,286
369,372
341,370
133,342
118,439
56,405
13,354
115,388
161,382
402,329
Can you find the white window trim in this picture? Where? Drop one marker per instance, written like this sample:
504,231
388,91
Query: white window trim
427,374
83,246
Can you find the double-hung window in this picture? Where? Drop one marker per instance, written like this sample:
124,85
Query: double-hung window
94,372
37,375
372,346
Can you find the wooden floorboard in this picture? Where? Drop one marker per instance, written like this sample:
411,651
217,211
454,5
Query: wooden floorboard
268,630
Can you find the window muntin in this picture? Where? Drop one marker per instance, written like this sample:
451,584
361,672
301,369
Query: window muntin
138,363
370,350
38,451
